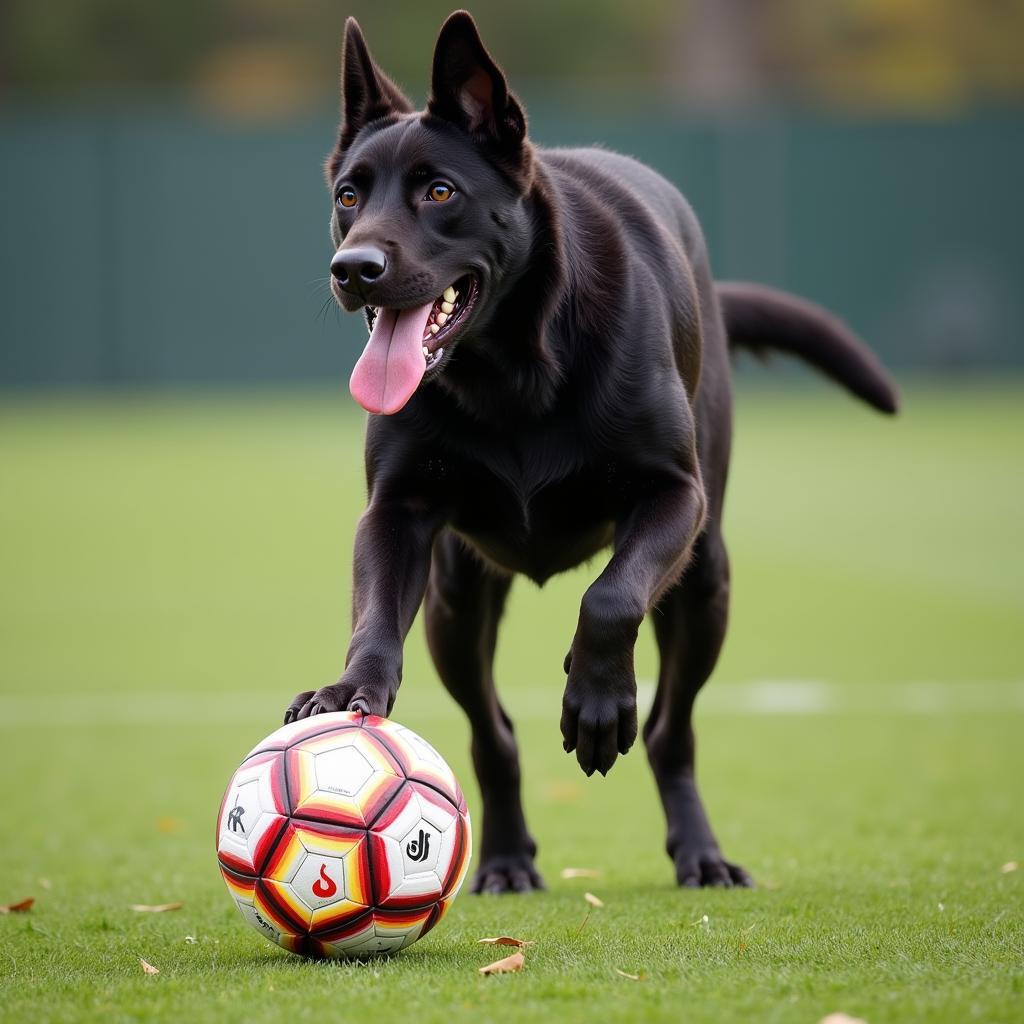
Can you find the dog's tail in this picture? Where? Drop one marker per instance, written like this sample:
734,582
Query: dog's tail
759,318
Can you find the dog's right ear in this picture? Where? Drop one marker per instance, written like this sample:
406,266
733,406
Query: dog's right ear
367,94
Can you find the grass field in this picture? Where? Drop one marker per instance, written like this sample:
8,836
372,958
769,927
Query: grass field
175,568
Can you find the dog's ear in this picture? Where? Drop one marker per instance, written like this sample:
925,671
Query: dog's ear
366,93
469,89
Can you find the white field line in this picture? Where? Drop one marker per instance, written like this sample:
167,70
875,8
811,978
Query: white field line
764,697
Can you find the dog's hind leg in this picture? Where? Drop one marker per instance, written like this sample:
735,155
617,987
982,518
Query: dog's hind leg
689,623
463,607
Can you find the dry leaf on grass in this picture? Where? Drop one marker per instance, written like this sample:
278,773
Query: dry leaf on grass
17,908
156,908
147,967
1010,865
841,1018
506,940
592,901
623,974
509,965
580,873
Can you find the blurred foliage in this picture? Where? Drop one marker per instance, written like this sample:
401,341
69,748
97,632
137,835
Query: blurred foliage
273,56
904,53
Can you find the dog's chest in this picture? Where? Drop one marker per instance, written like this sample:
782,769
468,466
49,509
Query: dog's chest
535,523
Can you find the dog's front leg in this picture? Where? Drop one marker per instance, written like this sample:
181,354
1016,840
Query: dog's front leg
392,563
652,544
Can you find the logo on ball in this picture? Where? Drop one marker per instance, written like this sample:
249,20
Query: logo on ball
235,819
419,848
265,925
325,886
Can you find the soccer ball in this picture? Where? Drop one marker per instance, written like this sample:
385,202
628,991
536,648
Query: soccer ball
343,835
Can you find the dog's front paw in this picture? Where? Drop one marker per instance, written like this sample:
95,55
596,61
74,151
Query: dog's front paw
513,872
598,712
344,695
697,867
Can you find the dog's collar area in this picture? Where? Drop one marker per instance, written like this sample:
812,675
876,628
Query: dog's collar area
446,316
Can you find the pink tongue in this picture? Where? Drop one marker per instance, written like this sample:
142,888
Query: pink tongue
392,364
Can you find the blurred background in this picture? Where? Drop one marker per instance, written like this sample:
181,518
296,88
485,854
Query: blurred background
181,476
165,219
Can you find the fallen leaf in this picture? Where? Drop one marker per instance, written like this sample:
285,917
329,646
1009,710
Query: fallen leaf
147,967
509,965
580,873
506,940
841,1018
156,908
623,974
593,900
17,908
1010,865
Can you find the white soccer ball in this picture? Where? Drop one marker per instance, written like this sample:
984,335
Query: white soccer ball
343,835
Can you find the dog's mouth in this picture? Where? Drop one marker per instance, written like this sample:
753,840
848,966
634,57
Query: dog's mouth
407,344
447,314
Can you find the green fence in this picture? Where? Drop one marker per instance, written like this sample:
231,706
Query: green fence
153,245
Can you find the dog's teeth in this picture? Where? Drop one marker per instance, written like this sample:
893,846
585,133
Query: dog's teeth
441,319
447,307
449,294
434,328
426,351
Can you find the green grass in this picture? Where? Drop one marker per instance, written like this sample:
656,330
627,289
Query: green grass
175,568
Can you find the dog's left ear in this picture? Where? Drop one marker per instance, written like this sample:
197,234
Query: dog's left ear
469,89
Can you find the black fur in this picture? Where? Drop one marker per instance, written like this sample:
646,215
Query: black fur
584,403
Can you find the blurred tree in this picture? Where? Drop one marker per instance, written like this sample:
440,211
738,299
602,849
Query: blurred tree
923,55
715,53
274,56
70,46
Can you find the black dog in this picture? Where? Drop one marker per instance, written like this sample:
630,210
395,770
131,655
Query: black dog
548,365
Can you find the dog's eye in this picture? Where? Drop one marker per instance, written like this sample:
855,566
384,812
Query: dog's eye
440,192
347,197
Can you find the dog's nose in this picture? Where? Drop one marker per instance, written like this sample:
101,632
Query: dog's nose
358,267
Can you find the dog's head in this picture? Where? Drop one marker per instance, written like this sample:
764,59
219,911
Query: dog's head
430,222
